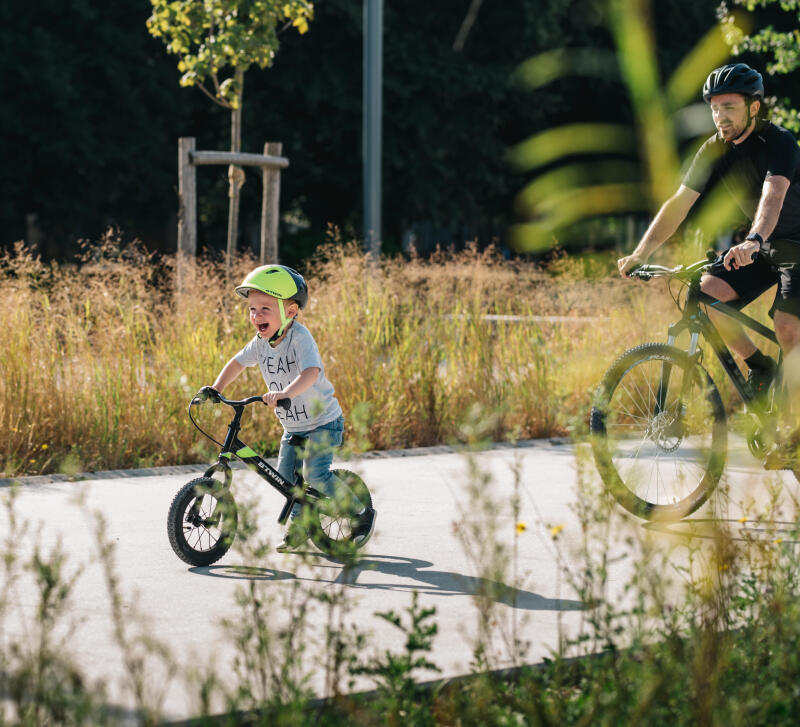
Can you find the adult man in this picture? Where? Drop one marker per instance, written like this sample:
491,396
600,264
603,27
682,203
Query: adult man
758,163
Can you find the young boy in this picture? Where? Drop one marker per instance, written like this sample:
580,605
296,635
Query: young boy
292,368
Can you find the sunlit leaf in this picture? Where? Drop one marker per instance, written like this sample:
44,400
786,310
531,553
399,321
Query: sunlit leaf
686,81
554,144
561,62
570,177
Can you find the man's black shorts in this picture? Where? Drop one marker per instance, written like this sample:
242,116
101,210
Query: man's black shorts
778,264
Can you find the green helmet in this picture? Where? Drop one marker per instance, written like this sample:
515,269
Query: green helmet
279,281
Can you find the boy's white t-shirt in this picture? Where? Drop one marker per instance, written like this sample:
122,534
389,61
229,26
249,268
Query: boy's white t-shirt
283,364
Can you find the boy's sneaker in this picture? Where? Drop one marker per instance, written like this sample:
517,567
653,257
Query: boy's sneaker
363,526
759,379
295,537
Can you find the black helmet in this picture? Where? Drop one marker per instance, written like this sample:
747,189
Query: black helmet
734,78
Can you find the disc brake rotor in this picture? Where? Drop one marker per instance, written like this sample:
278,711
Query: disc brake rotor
665,431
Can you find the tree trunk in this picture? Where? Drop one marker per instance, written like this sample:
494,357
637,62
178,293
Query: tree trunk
235,177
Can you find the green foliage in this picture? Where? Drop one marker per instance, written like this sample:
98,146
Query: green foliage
88,124
224,34
400,696
683,623
780,47
88,135
579,171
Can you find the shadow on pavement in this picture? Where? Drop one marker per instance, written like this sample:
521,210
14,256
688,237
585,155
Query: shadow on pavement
243,572
410,574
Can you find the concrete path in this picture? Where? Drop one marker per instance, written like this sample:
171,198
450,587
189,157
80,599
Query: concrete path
424,499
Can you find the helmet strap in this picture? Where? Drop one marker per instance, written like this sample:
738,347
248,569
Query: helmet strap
747,104
285,321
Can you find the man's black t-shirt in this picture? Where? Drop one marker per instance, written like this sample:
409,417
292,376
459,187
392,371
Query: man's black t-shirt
742,169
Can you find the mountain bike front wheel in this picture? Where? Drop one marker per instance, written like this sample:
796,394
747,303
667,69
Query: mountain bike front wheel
659,432
202,521
332,519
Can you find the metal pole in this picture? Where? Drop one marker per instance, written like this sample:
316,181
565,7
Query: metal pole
372,112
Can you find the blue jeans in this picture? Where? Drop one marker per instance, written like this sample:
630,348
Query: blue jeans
322,443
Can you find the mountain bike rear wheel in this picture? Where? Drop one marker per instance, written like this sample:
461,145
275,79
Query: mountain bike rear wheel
202,521
659,432
331,527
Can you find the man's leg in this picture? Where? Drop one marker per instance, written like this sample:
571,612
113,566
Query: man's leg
743,284
784,453
761,368
787,329
733,333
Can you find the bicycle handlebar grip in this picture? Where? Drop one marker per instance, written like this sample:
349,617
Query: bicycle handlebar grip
285,403
205,394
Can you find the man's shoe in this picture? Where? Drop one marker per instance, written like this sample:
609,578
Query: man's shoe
296,536
783,455
759,379
363,526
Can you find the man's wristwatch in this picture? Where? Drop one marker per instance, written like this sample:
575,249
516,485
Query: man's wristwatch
755,236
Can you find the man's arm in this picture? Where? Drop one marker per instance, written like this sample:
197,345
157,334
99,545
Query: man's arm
773,192
663,226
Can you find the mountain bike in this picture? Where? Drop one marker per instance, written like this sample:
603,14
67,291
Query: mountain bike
203,516
659,430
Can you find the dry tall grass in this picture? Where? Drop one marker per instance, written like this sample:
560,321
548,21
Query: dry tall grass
99,360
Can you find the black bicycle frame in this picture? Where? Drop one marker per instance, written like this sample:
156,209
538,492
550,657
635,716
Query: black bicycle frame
696,321
235,447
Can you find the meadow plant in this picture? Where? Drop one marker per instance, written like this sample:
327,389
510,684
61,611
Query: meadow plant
101,357
40,681
693,622
688,626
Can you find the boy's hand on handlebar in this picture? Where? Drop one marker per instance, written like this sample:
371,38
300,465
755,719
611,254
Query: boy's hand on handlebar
208,392
628,263
271,398
740,255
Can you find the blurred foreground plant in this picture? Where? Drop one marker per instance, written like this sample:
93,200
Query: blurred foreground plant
601,169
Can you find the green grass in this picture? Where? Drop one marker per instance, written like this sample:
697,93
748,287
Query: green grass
99,360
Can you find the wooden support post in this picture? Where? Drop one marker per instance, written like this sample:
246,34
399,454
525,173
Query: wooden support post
270,205
271,163
187,210
187,198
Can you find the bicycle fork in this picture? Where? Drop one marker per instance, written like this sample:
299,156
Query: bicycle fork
666,372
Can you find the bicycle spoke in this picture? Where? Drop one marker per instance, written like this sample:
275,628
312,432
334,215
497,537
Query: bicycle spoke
645,413
657,440
200,537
